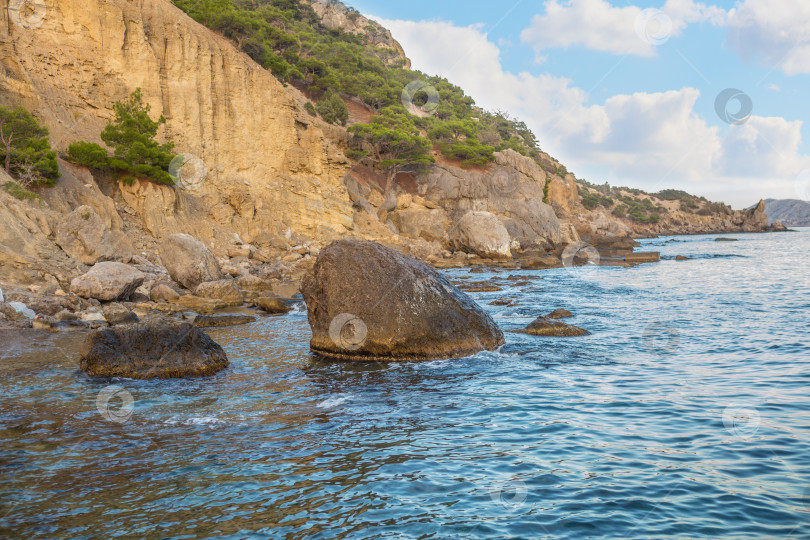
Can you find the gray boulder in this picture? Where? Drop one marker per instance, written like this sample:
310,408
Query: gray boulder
108,282
188,261
82,235
481,233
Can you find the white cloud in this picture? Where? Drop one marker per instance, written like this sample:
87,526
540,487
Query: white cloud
650,140
774,32
598,25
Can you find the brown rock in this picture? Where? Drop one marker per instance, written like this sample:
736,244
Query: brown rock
155,349
481,233
83,236
273,305
161,292
224,290
199,305
559,314
116,314
366,301
543,326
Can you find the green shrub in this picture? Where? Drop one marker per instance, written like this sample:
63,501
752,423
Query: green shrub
88,154
310,108
17,191
332,109
131,135
25,150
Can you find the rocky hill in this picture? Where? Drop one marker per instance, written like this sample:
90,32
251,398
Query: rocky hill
790,212
272,183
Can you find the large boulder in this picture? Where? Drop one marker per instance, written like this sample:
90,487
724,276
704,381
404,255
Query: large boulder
481,233
155,349
365,301
83,236
188,261
108,281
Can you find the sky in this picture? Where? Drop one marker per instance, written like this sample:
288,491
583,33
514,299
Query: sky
708,97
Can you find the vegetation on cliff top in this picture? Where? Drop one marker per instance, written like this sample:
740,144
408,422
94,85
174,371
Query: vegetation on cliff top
131,135
288,38
25,150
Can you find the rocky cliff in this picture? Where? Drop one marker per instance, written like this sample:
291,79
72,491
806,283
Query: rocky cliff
265,182
268,166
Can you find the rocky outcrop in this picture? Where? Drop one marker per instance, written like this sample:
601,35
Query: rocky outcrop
155,349
755,218
481,233
83,236
189,261
365,301
108,281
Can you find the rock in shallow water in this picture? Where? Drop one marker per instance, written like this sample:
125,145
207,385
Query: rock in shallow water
366,301
155,349
543,326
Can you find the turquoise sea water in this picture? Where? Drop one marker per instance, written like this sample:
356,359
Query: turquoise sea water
686,414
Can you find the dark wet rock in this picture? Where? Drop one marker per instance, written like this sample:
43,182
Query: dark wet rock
108,282
642,257
365,301
721,239
543,326
272,305
188,261
216,321
154,349
116,314
503,302
681,258
559,314
540,263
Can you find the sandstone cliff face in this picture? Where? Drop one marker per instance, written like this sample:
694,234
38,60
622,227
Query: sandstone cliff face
85,54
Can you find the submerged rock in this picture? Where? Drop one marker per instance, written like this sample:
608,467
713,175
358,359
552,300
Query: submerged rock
216,321
188,261
108,281
365,301
272,305
543,326
155,349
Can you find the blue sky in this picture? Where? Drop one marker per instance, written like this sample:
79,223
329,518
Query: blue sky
628,96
